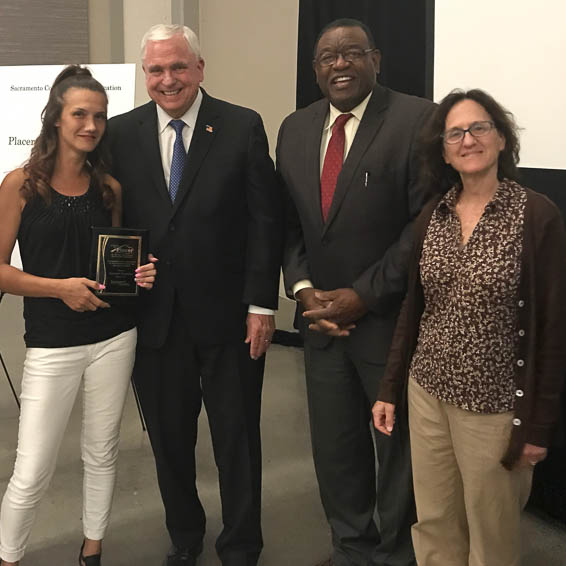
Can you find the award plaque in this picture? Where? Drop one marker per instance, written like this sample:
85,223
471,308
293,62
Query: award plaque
116,254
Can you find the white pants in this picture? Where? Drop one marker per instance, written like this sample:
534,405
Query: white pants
50,383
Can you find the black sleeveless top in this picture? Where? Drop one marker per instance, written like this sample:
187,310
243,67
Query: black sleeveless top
54,241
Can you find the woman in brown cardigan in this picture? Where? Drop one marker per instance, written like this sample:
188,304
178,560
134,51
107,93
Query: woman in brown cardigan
479,350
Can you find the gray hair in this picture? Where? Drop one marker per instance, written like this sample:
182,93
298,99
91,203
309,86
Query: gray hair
160,32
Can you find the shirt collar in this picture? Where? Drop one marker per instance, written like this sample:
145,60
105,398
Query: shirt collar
448,201
498,200
189,117
357,112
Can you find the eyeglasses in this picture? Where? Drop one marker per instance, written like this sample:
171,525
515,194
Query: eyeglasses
350,56
476,129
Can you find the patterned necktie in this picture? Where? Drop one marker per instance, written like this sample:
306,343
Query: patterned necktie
178,160
332,164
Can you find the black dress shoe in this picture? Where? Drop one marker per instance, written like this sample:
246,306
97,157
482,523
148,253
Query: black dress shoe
180,557
93,560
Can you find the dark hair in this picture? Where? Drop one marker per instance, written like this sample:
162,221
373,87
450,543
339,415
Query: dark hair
438,174
345,23
39,168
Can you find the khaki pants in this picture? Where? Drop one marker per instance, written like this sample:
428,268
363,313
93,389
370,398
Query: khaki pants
468,505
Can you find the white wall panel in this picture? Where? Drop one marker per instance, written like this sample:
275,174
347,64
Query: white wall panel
516,51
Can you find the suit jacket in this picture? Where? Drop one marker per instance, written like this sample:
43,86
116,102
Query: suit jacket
366,241
219,244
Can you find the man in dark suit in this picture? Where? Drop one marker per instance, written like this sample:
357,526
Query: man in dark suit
348,165
196,171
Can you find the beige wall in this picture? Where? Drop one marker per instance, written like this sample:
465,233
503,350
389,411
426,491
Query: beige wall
139,16
99,39
250,51
249,47
106,31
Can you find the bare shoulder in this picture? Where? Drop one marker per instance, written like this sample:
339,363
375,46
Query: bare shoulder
14,180
10,189
12,201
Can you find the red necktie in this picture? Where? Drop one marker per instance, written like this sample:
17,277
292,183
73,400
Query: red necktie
332,164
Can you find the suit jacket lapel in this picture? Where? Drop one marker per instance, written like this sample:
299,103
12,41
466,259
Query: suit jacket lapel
206,128
367,130
148,137
313,137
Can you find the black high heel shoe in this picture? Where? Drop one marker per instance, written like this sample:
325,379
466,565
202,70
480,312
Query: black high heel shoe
93,560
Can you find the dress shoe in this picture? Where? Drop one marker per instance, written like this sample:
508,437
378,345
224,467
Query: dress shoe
180,557
93,560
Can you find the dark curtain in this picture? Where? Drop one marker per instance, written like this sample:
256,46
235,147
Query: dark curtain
549,480
403,31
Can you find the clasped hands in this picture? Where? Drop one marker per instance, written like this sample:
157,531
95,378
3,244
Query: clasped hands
331,312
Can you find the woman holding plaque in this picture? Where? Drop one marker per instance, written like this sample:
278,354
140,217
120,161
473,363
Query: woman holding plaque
478,352
73,338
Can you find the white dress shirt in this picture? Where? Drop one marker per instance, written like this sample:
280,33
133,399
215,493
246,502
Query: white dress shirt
350,130
167,135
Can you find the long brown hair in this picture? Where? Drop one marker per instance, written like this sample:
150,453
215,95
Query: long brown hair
39,168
